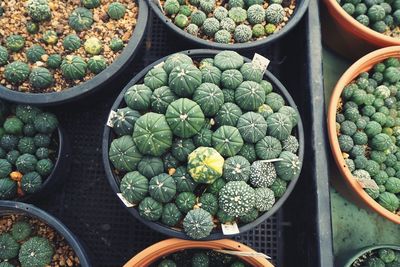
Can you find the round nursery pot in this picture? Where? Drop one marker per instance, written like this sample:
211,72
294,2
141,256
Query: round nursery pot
171,231
169,246
363,64
96,83
61,169
345,35
299,11
349,258
12,207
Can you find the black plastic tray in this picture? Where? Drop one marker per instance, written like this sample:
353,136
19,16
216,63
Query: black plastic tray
298,235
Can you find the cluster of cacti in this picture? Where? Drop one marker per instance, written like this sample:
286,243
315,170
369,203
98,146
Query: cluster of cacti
235,21
384,257
192,144
26,149
200,258
22,246
381,16
368,126
58,58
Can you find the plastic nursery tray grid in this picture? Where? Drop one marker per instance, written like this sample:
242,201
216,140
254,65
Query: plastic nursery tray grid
298,235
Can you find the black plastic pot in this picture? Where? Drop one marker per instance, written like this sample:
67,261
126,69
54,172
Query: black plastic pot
60,170
114,181
298,13
76,92
12,207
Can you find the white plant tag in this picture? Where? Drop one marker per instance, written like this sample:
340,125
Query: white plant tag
367,183
160,65
270,160
158,3
243,254
230,229
126,202
110,117
260,62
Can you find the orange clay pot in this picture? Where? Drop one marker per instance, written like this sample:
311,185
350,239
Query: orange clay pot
169,246
363,64
345,35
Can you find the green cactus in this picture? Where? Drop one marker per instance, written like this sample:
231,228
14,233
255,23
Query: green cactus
36,251
97,64
3,56
116,44
16,72
116,10
54,61
21,230
50,37
15,42
73,67
39,10
72,42
81,19
9,248
41,78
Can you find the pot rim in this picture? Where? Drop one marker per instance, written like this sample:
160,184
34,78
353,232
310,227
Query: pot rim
362,65
293,21
78,91
169,246
57,225
352,25
201,53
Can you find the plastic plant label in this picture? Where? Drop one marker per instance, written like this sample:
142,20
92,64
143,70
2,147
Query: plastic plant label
230,229
126,202
112,115
367,183
243,254
160,65
260,62
270,160
158,3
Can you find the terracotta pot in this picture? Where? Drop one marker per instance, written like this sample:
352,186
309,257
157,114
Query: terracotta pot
364,64
345,35
348,259
169,246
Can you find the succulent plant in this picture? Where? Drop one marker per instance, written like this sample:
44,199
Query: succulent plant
274,14
3,56
36,251
39,10
220,13
35,53
256,14
192,29
171,7
162,188
150,209
207,5
50,37
228,24
210,26
236,198
222,36
198,223
81,19
32,27
21,230
17,72
116,44
96,64
9,248
116,10
73,67
152,134
72,42
91,3
93,46
54,61
41,78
